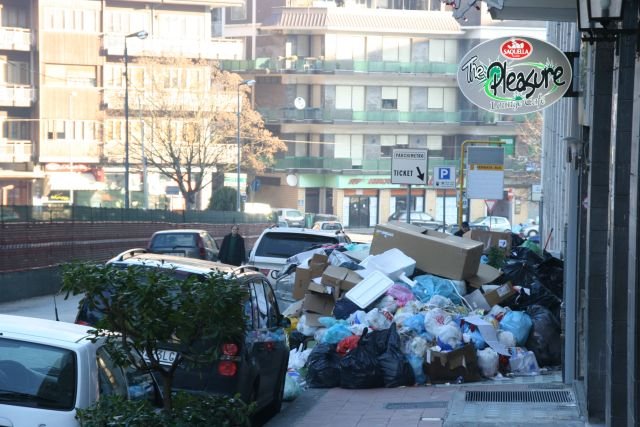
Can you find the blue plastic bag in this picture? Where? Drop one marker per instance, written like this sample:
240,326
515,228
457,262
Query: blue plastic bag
429,285
519,324
336,333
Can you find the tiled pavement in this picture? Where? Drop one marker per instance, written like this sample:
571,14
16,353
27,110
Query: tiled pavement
420,406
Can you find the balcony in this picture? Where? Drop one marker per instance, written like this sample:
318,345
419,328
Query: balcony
311,65
15,151
215,48
15,39
368,165
16,95
319,115
70,151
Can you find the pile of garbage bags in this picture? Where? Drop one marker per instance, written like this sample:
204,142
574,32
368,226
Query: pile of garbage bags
426,329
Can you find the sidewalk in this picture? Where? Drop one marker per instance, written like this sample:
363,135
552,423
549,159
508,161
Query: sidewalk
435,406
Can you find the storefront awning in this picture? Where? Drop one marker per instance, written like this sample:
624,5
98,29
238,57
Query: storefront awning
74,181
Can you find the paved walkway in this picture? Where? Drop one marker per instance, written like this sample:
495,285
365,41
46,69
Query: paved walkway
429,406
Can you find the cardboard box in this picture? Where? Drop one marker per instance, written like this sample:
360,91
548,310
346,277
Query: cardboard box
333,275
303,275
324,290
500,294
350,281
436,253
491,239
443,366
318,303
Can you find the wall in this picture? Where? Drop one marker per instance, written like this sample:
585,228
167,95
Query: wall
30,253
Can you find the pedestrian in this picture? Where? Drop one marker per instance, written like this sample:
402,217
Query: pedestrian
463,229
232,249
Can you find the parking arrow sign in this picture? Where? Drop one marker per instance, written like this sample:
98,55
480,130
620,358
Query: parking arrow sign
408,166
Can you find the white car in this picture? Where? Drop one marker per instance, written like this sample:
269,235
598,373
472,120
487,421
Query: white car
276,245
49,368
495,223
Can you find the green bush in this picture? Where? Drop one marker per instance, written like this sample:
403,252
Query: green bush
188,411
224,199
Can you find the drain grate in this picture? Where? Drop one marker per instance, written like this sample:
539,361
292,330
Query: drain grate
529,396
416,405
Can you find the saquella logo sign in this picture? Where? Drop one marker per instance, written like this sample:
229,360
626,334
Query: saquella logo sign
514,75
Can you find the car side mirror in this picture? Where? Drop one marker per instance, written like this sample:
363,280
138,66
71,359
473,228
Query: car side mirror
285,322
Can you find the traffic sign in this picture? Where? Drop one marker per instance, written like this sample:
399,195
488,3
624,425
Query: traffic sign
409,166
445,177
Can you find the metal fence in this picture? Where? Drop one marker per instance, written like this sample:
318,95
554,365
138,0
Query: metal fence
65,213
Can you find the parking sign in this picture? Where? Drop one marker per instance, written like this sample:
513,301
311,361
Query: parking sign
445,177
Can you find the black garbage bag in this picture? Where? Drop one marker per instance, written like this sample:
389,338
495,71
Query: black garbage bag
538,294
296,338
544,339
323,367
525,254
360,367
518,272
516,240
344,307
396,370
551,273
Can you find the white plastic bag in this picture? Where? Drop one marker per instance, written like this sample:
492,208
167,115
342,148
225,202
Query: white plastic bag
523,362
449,335
434,319
488,362
291,389
305,329
379,319
298,357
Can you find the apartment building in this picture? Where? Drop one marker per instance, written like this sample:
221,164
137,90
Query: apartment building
344,83
62,91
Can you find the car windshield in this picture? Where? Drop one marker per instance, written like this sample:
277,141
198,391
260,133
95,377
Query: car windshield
173,240
293,214
285,245
331,226
37,375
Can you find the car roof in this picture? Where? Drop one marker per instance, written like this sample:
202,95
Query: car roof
140,257
181,230
298,230
44,330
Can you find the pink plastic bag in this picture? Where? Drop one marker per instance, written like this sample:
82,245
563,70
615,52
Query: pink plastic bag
401,293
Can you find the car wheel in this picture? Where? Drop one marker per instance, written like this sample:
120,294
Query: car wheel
532,233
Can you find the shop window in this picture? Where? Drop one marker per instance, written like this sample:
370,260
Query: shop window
240,12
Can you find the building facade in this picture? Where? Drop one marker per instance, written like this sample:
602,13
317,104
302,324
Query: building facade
345,86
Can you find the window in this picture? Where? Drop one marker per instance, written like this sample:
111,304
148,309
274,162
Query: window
435,98
389,98
16,129
443,51
216,22
13,16
350,98
66,19
125,21
55,129
434,142
350,146
389,142
71,75
17,72
239,13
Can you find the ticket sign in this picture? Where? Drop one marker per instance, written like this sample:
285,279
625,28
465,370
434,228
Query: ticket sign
409,167
514,75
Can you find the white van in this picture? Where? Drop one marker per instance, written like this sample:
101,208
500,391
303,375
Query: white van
293,217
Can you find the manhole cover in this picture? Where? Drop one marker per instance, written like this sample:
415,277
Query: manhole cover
416,405
529,396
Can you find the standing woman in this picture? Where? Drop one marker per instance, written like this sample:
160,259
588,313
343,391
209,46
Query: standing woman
232,250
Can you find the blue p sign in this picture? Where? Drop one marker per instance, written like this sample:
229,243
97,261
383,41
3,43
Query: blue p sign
444,173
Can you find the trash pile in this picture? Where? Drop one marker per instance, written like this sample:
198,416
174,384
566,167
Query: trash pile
419,307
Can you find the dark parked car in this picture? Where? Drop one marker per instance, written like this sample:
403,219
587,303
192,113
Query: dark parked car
187,243
257,368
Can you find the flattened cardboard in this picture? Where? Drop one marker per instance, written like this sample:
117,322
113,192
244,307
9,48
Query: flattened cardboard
324,290
318,303
448,366
477,301
436,253
294,310
486,274
491,239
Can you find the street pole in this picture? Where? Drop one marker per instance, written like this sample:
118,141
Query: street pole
238,204
141,35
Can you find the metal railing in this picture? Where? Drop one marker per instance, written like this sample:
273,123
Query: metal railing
67,213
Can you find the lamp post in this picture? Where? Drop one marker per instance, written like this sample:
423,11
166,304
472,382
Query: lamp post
248,83
141,35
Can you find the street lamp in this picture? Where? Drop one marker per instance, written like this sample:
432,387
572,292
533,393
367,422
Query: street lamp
141,35
248,83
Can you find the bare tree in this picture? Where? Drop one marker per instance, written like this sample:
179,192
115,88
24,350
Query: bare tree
189,113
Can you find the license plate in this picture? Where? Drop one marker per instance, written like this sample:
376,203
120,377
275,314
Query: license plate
165,357
176,253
